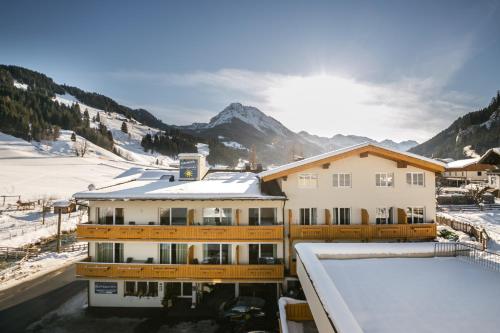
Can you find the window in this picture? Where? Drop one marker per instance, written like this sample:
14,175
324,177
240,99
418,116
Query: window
341,180
216,254
308,180
342,216
479,173
141,289
262,254
415,178
384,179
383,216
109,215
217,216
178,289
172,254
308,216
262,216
415,215
104,252
173,216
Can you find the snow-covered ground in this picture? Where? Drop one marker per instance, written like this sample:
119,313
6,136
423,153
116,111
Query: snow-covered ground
489,220
38,266
127,144
19,228
73,317
51,169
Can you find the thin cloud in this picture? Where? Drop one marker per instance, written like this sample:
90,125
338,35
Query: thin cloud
325,103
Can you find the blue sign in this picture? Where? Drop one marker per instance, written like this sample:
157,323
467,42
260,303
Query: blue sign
188,169
106,288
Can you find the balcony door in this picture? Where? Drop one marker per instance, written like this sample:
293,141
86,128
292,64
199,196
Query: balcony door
173,216
217,254
217,216
173,254
262,253
262,216
108,215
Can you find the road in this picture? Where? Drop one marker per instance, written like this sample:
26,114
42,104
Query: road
27,302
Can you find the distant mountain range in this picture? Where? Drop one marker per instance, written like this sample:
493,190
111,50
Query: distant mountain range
473,133
230,134
246,126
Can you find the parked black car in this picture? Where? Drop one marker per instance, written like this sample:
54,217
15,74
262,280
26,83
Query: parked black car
242,308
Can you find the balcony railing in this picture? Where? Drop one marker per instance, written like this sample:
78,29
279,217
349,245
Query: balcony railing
298,312
362,232
210,273
198,233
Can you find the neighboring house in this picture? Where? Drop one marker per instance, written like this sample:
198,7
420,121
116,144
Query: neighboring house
159,234
463,172
492,157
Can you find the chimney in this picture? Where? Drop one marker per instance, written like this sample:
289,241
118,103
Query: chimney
192,166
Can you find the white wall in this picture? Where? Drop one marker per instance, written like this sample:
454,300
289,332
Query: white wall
142,212
363,194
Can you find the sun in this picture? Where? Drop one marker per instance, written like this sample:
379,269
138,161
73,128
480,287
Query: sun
188,174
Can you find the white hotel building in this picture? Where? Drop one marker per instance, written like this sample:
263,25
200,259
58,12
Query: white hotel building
156,235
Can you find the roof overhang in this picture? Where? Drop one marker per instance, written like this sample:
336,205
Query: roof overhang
361,150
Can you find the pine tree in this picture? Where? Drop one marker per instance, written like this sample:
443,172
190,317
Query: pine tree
124,127
98,117
73,137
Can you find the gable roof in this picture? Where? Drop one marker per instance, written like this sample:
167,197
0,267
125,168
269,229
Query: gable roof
459,164
366,147
492,156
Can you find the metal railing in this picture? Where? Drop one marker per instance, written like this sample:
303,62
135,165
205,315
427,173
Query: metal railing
468,253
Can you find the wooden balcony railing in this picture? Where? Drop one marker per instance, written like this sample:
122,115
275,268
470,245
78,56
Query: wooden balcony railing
196,233
362,232
210,273
298,312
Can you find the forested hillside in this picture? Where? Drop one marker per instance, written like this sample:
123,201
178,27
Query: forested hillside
480,130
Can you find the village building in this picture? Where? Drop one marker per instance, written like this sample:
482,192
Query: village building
466,171
492,157
156,235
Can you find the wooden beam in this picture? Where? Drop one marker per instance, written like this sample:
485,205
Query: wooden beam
362,152
326,166
191,217
237,216
327,216
290,241
402,164
285,178
191,254
237,254
365,218
402,216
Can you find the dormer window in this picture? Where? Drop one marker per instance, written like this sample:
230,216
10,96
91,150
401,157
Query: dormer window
308,180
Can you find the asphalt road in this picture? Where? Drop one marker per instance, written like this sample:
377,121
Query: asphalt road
26,303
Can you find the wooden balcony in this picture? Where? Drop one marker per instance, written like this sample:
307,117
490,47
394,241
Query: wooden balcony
298,312
202,273
191,233
363,232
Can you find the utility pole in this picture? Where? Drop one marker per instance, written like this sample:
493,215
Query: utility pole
59,230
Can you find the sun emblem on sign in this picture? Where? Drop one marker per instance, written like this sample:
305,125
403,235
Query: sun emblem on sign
188,174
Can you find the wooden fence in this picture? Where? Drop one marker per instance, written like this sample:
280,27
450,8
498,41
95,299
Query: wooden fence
471,230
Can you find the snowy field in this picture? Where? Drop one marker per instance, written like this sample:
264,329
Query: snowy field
73,316
489,220
19,228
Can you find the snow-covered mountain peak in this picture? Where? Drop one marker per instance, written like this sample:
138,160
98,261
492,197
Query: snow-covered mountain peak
250,115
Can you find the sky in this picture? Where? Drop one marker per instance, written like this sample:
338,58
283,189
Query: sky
382,69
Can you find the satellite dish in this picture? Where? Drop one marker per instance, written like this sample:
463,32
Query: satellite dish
91,187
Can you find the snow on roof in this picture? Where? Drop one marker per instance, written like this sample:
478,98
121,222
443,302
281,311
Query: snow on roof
462,163
156,184
400,287
342,151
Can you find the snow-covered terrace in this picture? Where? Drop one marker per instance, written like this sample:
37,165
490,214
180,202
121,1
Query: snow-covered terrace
165,185
378,287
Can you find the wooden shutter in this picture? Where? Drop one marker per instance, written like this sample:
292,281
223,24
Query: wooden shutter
364,216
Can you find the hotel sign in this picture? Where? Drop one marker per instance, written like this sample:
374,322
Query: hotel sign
188,169
106,288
